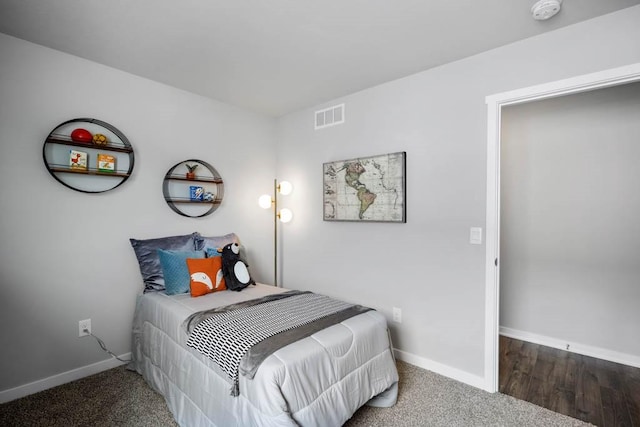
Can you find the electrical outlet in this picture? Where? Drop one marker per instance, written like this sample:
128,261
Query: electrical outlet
397,315
84,327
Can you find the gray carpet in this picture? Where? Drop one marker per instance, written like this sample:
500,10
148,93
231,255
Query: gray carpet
118,397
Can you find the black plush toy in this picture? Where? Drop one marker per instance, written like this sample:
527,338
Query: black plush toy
236,273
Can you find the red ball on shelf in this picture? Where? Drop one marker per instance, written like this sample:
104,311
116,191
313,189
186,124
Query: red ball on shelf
81,135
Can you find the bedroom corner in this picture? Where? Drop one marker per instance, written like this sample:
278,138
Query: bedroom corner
65,255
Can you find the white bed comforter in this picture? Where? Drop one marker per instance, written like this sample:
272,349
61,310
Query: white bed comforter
317,381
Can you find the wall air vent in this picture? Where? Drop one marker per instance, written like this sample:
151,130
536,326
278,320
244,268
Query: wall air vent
330,116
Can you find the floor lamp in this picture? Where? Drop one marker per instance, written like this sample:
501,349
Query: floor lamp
284,215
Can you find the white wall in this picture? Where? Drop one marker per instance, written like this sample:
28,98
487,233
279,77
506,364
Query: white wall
65,255
427,266
570,235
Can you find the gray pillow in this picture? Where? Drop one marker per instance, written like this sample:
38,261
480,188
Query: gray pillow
214,242
149,261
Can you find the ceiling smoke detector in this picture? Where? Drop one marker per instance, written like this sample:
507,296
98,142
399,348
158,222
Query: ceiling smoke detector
545,9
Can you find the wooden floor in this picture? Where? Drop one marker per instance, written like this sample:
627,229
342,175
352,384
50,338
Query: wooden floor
593,390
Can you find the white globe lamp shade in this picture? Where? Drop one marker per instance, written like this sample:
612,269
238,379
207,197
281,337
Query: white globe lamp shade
265,201
285,188
285,215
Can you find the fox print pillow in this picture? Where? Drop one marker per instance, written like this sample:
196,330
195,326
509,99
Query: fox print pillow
205,276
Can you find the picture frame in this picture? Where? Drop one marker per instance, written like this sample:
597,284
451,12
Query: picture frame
366,189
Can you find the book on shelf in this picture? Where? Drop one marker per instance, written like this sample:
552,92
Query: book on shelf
106,162
196,192
78,159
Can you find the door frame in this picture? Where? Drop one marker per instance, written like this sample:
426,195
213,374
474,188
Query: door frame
587,82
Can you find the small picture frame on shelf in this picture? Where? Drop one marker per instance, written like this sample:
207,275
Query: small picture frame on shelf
106,162
196,193
78,159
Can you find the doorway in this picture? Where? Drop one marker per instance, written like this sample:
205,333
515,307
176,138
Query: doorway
569,230
495,103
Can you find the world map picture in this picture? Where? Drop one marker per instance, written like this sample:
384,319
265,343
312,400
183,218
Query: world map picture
365,189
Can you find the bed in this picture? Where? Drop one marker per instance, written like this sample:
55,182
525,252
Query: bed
320,380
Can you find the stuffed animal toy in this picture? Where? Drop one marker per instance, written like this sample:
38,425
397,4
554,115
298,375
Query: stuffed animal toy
236,273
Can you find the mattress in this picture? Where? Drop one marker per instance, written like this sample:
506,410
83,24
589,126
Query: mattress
320,380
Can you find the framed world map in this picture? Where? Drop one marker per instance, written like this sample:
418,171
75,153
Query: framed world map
368,189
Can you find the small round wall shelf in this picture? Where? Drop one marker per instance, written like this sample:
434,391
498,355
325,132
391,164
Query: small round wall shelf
193,188
88,155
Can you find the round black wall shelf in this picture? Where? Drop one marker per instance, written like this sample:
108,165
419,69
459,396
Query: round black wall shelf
88,155
195,195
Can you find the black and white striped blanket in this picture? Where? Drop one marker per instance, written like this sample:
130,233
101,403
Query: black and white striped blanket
226,334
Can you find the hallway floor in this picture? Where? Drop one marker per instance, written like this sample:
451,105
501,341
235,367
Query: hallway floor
592,390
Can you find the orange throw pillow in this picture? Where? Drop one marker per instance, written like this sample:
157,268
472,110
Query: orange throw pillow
206,275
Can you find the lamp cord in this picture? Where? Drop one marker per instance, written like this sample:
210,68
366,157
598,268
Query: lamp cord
104,347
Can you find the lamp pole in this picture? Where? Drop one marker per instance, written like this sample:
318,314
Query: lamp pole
275,232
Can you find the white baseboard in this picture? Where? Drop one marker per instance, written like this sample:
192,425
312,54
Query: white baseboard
59,379
574,347
439,368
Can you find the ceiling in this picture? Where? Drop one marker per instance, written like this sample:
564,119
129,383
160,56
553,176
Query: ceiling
278,56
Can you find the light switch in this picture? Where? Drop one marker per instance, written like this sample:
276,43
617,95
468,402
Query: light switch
475,235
